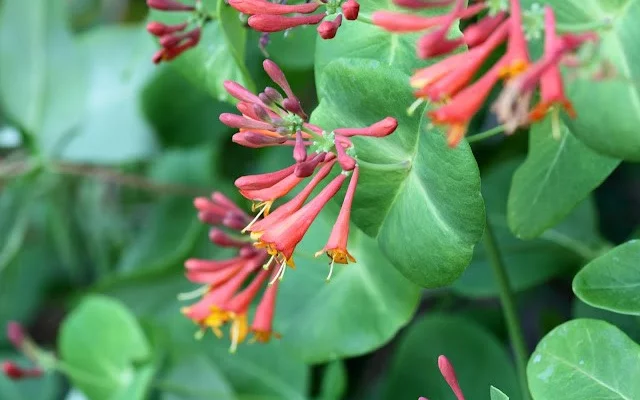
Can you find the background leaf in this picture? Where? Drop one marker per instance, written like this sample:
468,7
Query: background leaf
410,181
556,176
585,359
612,281
478,358
103,343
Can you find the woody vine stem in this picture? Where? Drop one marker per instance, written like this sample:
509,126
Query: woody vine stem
508,308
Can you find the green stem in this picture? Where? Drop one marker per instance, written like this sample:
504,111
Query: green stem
508,308
486,134
605,23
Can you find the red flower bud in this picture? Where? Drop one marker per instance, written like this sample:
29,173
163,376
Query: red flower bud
328,29
277,23
169,5
15,334
253,7
13,371
350,9
159,29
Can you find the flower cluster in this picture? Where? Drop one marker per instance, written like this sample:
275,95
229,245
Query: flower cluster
450,82
176,39
274,17
273,119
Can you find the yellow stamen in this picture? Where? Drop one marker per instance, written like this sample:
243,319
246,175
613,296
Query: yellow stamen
239,331
330,269
253,221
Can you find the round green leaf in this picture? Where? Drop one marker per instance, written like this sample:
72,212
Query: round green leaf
529,263
410,181
478,358
608,110
612,281
219,55
102,344
585,359
358,310
555,177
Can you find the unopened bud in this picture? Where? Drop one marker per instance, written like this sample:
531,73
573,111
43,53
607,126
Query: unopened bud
350,9
328,29
308,167
13,371
159,29
273,95
299,149
256,140
169,5
292,104
220,238
347,163
449,374
261,113
15,334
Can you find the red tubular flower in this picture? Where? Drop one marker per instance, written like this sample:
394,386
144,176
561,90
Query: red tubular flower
257,140
551,86
328,29
420,4
159,29
264,198
398,22
240,92
262,326
252,7
277,23
381,128
347,163
457,114
262,181
449,374
517,56
480,31
169,5
13,371
336,247
282,238
351,9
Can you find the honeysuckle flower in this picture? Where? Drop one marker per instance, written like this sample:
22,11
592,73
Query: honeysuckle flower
268,17
449,375
266,242
448,84
176,39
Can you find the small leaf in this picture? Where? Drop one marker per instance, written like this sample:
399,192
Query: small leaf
585,359
42,72
555,177
113,129
496,394
612,281
410,181
102,343
478,358
529,263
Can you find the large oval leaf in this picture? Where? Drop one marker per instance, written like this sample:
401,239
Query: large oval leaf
555,177
609,110
358,310
612,281
529,263
478,358
585,359
219,55
411,182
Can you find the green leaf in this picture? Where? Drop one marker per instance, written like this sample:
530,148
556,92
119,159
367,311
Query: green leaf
172,228
608,110
334,381
410,181
612,281
194,378
585,359
529,263
102,344
496,394
219,55
42,73
114,128
358,39
358,310
556,176
478,358
629,324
